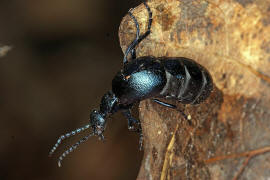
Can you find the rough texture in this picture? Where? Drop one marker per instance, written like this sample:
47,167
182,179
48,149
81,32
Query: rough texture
228,135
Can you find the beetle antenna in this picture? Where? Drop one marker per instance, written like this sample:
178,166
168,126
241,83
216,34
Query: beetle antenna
67,135
72,148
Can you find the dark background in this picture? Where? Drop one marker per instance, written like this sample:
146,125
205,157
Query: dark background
65,54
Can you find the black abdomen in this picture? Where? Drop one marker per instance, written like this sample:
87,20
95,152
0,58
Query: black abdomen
187,81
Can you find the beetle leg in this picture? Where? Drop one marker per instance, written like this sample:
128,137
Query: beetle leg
133,54
171,106
164,104
132,45
139,37
131,122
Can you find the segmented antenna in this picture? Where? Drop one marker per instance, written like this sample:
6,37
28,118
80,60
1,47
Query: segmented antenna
72,148
67,135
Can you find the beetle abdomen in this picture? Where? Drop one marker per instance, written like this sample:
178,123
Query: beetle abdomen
187,81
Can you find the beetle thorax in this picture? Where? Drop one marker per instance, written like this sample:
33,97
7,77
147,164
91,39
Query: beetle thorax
141,79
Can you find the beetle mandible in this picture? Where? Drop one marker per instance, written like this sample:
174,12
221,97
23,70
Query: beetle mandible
141,78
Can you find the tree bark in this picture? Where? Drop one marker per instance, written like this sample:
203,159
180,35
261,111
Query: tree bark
228,135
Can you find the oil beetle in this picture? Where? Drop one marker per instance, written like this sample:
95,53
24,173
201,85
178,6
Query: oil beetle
141,78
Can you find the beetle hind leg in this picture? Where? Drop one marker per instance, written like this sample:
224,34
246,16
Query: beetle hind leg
139,38
173,107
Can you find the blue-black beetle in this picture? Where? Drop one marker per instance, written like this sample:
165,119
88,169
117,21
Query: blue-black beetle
146,77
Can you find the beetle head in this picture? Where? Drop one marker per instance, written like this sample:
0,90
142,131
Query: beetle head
97,122
109,105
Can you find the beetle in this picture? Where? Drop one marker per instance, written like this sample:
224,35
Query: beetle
142,78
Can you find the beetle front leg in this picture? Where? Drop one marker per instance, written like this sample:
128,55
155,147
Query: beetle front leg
131,122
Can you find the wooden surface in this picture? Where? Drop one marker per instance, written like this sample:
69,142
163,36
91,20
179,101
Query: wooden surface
228,135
